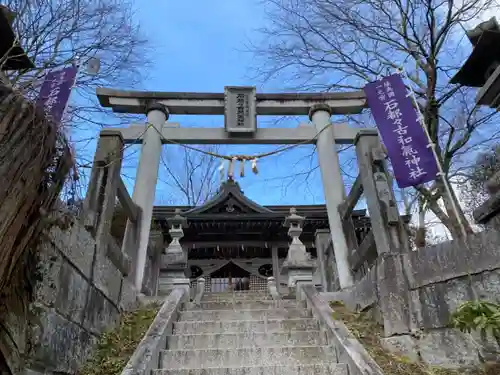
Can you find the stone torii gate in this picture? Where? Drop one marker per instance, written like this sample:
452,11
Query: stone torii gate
240,105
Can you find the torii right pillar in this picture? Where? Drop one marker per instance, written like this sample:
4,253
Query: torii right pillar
333,187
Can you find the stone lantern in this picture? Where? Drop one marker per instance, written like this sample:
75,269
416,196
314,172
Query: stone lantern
174,268
298,265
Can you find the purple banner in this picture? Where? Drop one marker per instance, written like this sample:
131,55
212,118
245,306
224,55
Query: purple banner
55,92
398,124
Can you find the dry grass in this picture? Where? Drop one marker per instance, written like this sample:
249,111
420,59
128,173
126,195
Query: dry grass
369,334
117,346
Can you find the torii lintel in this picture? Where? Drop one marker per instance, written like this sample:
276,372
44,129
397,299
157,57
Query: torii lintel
193,103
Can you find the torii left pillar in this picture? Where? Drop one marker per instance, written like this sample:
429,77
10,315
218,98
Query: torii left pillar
145,183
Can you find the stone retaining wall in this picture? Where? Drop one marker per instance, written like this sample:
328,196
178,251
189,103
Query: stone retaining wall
81,295
414,295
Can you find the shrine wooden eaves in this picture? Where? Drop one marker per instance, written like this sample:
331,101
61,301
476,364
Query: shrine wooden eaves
231,218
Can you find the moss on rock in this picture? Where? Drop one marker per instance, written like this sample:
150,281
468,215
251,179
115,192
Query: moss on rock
117,345
369,333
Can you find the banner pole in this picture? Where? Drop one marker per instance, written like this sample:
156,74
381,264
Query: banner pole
78,66
432,145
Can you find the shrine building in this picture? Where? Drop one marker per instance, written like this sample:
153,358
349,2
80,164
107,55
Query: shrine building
236,244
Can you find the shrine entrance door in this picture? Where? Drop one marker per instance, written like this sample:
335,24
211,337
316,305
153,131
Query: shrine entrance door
229,278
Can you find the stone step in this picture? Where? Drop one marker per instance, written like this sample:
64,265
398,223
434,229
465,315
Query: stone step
191,315
284,355
236,296
242,292
322,369
236,326
248,304
247,339
223,300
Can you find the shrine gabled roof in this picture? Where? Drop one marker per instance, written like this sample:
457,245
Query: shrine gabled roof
230,204
229,199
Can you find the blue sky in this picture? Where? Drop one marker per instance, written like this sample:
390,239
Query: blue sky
199,46
198,43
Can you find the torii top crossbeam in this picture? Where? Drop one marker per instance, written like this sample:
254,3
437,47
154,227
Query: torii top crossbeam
193,103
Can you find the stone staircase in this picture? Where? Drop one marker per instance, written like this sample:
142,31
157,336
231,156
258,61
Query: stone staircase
247,333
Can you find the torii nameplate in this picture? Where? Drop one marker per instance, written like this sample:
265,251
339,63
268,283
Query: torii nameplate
240,109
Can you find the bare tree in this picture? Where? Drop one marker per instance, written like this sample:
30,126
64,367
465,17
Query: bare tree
341,45
56,33
191,176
